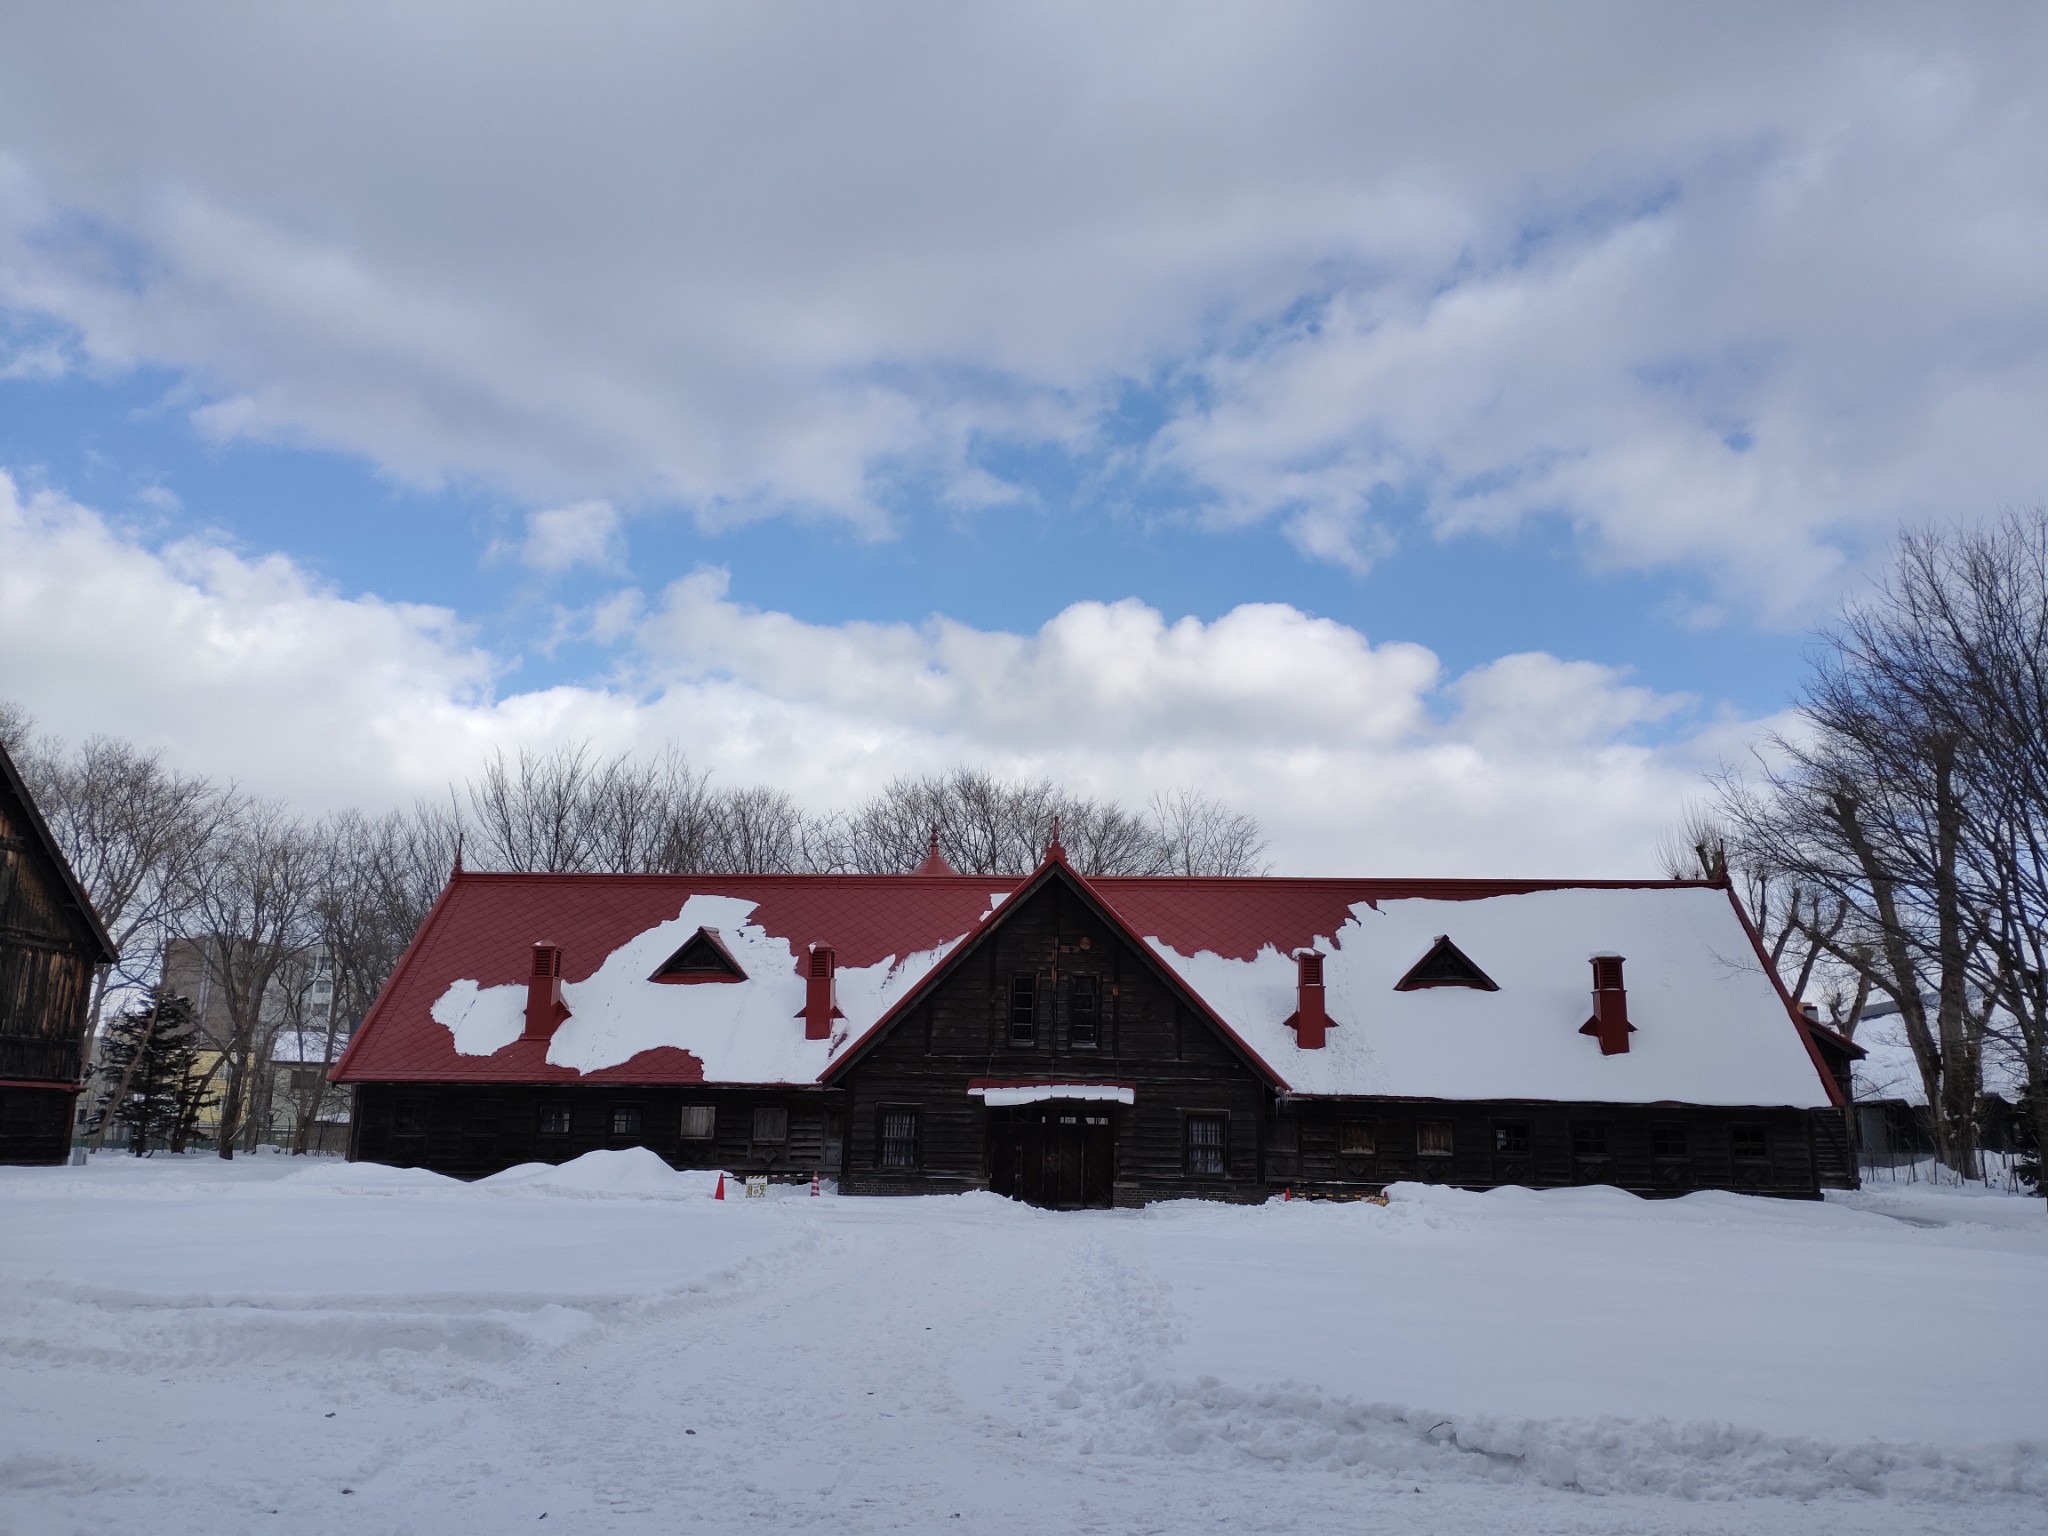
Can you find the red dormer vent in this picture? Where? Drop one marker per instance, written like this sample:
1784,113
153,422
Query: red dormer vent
820,1008
1309,1021
545,1009
1609,1024
1445,965
703,957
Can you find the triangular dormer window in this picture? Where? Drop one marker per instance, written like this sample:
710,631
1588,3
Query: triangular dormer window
1445,965
703,957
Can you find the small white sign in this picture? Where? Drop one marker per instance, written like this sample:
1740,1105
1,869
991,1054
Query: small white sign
757,1186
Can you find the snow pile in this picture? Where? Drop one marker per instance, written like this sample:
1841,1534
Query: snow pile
629,1172
1710,1026
367,1178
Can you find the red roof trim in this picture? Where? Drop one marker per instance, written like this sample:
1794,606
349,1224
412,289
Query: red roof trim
44,1083
1799,1021
374,1018
1055,860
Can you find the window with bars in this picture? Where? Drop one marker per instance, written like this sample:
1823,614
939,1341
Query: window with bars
1023,1010
700,1122
771,1125
1589,1138
625,1119
1668,1141
899,1137
1358,1138
1511,1138
1207,1137
409,1118
1084,1012
554,1119
483,1117
1749,1143
1433,1138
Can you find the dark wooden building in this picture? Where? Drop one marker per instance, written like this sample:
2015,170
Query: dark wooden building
51,942
1108,1041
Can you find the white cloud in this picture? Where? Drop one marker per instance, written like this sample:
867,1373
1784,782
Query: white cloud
1358,757
562,539
1730,289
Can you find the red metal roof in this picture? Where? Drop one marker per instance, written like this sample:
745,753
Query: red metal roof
483,928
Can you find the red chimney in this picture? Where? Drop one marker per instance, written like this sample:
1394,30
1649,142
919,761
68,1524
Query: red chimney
819,1008
1609,1024
545,1009
1310,1021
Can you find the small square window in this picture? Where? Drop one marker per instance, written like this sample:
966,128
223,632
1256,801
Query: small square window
1589,1138
1358,1138
1433,1138
1206,1143
1083,1012
1511,1138
409,1118
1668,1141
1285,1135
483,1117
554,1119
625,1119
899,1138
1749,1143
771,1125
1023,1010
700,1122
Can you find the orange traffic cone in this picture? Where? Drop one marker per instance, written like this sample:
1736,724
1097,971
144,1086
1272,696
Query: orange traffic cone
719,1193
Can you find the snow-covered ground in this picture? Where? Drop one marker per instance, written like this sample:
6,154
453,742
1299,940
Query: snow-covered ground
277,1346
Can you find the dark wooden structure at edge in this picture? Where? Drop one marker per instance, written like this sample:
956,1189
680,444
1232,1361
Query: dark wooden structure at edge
51,942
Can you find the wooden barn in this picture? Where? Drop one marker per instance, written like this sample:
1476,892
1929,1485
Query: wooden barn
1076,1041
51,942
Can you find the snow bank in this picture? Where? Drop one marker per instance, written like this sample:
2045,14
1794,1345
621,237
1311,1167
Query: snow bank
630,1172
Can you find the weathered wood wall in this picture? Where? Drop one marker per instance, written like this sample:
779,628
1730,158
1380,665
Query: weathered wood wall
1177,1063
46,971
1651,1150
472,1130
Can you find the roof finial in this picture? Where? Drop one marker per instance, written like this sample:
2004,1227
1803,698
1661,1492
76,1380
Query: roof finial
934,862
458,857
1056,849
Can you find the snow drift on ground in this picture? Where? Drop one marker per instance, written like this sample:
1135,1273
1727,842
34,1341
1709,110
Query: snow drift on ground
272,1345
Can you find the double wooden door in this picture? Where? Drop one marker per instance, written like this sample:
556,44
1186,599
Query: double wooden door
1060,1154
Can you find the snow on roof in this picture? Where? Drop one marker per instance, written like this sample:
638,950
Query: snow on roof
454,1009
740,1031
1710,1026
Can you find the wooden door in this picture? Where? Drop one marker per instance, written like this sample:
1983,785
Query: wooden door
1060,1154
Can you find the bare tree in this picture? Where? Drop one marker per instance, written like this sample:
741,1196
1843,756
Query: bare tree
1197,835
138,836
1919,801
253,912
757,831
